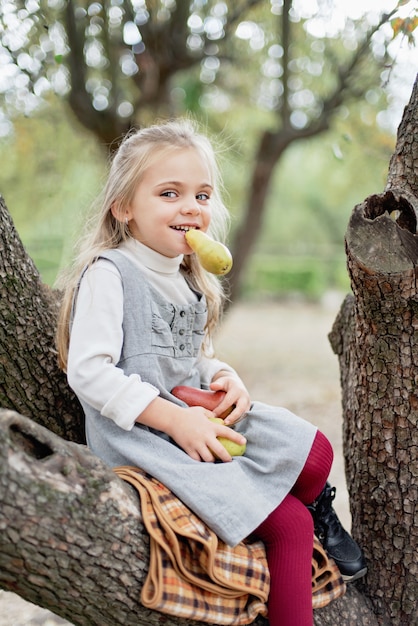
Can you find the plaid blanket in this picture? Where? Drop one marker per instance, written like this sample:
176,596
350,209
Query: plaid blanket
195,575
327,582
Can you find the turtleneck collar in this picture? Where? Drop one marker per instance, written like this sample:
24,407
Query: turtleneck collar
151,259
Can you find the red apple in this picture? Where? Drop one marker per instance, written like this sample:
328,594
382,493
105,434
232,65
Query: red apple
201,397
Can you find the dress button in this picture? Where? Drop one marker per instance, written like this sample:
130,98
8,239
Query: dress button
182,346
182,313
181,331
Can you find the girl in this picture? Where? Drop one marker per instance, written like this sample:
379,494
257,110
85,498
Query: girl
137,320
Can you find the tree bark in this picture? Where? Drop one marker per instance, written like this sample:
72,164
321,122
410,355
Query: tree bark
376,339
71,532
72,538
30,381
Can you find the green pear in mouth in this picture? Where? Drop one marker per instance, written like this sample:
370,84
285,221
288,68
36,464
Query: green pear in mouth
213,255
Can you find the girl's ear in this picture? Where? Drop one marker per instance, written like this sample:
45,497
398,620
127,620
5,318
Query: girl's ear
119,213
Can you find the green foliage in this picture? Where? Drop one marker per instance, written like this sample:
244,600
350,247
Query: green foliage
314,190
125,61
328,176
51,172
246,70
284,275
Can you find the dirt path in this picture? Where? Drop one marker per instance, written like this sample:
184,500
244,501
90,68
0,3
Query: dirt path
283,355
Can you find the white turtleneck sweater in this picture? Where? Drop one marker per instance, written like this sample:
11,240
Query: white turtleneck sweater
97,336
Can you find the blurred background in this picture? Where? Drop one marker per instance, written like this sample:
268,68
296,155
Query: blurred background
302,99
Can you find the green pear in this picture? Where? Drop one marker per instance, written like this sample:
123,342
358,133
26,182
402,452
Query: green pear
234,449
213,255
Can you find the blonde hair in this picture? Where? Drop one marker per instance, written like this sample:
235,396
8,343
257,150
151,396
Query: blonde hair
104,231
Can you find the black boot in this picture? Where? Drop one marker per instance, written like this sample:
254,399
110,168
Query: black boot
336,541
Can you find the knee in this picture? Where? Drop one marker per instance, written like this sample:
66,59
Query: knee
315,472
300,524
292,520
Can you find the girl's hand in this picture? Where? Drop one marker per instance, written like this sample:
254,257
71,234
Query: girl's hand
236,394
193,431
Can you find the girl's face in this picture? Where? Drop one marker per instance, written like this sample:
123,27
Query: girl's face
173,196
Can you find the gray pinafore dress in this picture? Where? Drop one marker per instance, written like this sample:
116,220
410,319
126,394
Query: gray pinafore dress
162,343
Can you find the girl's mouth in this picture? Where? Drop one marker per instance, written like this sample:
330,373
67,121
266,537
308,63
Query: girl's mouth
184,229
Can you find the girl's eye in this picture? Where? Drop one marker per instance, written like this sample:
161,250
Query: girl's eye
203,196
169,194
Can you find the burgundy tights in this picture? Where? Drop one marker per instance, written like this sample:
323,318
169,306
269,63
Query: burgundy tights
287,534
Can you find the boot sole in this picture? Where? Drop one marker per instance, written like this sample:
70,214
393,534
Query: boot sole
350,578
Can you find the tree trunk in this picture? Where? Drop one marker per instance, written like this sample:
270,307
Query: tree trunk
72,539
30,381
268,155
376,339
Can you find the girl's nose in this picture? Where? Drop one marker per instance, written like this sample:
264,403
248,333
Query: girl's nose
191,206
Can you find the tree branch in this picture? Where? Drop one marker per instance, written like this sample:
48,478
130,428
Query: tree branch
73,539
69,526
30,381
343,90
405,156
284,110
236,12
347,73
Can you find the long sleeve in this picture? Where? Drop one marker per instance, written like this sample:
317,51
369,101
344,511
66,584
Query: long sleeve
208,367
95,349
